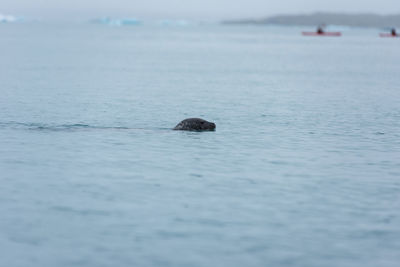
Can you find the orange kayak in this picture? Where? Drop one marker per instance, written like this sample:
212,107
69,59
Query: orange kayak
322,34
388,35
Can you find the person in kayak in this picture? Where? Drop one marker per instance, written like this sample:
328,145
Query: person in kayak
394,32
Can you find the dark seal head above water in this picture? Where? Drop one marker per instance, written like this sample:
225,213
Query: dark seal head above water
195,124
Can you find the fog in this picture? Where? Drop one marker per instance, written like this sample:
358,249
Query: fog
196,9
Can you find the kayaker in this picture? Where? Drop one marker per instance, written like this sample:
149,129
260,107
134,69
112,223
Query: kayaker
394,32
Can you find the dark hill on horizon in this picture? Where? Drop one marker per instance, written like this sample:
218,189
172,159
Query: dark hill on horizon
353,20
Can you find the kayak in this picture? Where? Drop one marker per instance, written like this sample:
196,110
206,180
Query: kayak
322,34
388,35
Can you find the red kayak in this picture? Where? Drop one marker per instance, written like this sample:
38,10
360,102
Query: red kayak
388,35
322,34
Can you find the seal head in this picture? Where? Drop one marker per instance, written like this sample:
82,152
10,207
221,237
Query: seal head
195,124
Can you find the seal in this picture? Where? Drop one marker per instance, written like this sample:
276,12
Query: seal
195,124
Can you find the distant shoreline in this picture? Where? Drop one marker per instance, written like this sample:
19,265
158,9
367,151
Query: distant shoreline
352,20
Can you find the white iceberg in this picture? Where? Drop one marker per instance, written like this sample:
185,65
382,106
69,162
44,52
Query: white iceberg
7,18
167,22
118,22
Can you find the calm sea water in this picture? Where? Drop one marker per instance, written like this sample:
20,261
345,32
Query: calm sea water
303,169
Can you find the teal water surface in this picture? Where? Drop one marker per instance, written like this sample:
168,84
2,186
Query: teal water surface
302,170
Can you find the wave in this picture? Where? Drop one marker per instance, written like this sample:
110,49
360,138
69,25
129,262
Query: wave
56,127
13,125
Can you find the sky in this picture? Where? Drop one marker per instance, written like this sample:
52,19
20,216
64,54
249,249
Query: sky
190,9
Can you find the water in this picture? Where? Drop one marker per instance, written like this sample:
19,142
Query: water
303,169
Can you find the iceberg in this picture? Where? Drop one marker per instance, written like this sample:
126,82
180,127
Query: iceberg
118,22
167,22
7,18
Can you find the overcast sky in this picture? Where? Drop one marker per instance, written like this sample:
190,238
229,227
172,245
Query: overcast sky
196,9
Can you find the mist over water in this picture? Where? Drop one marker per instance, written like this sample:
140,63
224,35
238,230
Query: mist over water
302,170
189,9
